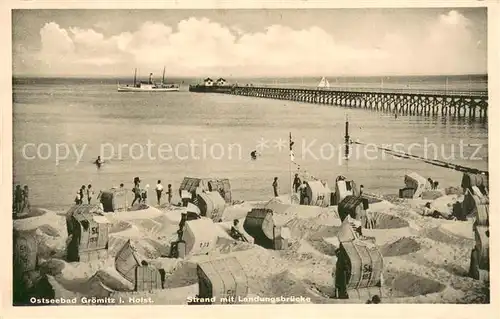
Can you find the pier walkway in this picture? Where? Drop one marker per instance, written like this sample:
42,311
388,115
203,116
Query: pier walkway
458,104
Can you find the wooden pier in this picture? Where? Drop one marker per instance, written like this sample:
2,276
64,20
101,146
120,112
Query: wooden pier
457,104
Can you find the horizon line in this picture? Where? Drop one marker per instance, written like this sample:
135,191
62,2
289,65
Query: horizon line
54,76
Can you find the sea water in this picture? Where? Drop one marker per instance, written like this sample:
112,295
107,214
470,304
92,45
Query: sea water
200,134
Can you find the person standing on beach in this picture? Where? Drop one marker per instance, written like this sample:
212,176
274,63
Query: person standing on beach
169,193
137,193
82,194
90,193
275,187
18,199
26,202
159,190
304,200
296,183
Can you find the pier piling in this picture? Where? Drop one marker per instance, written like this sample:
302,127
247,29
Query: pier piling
346,138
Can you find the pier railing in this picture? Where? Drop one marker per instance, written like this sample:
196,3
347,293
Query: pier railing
453,103
447,92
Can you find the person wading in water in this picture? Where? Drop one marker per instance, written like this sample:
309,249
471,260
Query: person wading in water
98,162
253,155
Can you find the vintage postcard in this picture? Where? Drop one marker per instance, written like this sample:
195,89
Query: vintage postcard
257,155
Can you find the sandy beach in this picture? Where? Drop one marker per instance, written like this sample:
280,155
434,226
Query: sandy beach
426,260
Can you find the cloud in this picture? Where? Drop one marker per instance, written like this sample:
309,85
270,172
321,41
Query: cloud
56,42
454,18
453,44
199,47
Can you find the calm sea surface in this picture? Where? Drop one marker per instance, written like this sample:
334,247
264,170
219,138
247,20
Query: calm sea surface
213,134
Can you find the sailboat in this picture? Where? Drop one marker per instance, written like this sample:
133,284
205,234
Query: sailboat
150,86
323,83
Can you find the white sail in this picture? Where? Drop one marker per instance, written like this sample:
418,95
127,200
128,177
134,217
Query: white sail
324,83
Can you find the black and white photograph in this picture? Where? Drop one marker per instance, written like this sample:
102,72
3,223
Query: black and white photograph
250,156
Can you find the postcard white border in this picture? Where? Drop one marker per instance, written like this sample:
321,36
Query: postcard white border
242,311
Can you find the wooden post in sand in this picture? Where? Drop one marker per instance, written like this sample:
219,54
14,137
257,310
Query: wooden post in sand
346,138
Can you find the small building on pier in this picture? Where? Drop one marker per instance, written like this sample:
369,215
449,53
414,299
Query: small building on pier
221,82
208,82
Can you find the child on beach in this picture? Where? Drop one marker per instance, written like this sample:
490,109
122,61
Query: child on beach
144,194
159,190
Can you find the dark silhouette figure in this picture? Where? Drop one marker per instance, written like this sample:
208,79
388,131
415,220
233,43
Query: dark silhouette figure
18,199
169,193
296,182
98,162
275,187
253,155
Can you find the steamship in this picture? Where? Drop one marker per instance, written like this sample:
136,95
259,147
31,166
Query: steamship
150,86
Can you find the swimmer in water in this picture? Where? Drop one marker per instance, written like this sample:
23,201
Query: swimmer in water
98,162
253,155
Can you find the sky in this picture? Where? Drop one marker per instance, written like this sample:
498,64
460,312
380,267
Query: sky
244,42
